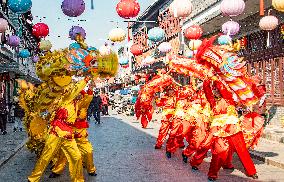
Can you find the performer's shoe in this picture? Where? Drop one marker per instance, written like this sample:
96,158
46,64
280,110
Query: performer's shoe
54,175
229,168
4,132
93,174
184,158
255,176
169,155
211,179
158,147
194,168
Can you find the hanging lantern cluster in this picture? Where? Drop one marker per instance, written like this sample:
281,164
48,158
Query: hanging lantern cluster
230,28
19,6
24,53
278,5
13,40
3,25
45,45
156,34
117,35
40,30
73,8
193,32
77,30
136,49
181,8
232,8
128,8
268,23
165,47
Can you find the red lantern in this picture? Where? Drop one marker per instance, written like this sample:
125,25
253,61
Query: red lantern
40,30
136,49
193,32
128,8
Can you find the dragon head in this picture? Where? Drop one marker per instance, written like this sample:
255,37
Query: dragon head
222,57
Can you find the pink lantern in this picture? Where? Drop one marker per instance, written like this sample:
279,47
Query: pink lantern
165,47
230,28
181,8
268,23
232,8
3,25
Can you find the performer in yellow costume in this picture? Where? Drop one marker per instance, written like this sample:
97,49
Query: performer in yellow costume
80,134
61,136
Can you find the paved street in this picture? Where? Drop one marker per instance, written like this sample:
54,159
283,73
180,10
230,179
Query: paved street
124,152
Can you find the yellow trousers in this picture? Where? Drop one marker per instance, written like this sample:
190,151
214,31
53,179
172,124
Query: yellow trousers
52,146
86,150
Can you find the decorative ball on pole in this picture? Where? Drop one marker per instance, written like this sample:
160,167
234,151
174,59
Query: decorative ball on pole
40,30
13,40
3,25
232,8
230,28
193,32
19,6
128,8
181,8
73,8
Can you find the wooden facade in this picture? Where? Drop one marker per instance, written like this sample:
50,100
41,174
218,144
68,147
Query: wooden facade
267,62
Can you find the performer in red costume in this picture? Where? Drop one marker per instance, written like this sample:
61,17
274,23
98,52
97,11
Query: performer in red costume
227,135
199,115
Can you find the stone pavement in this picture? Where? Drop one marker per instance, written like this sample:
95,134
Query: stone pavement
124,152
11,143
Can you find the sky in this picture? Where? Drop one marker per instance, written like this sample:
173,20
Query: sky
97,26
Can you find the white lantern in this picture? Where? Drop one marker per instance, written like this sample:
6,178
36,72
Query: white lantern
181,8
117,35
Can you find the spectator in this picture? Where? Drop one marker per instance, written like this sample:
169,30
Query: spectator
18,114
95,107
104,98
3,114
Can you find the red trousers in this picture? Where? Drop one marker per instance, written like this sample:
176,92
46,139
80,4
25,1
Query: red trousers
237,144
175,139
194,137
202,150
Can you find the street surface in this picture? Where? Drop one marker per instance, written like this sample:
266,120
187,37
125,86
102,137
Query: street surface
124,152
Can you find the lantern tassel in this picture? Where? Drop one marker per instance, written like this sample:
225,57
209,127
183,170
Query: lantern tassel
268,39
92,4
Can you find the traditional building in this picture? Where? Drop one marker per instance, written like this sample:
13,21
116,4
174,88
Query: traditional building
11,66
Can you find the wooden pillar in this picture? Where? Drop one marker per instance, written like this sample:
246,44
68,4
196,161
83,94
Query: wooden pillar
272,91
281,86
